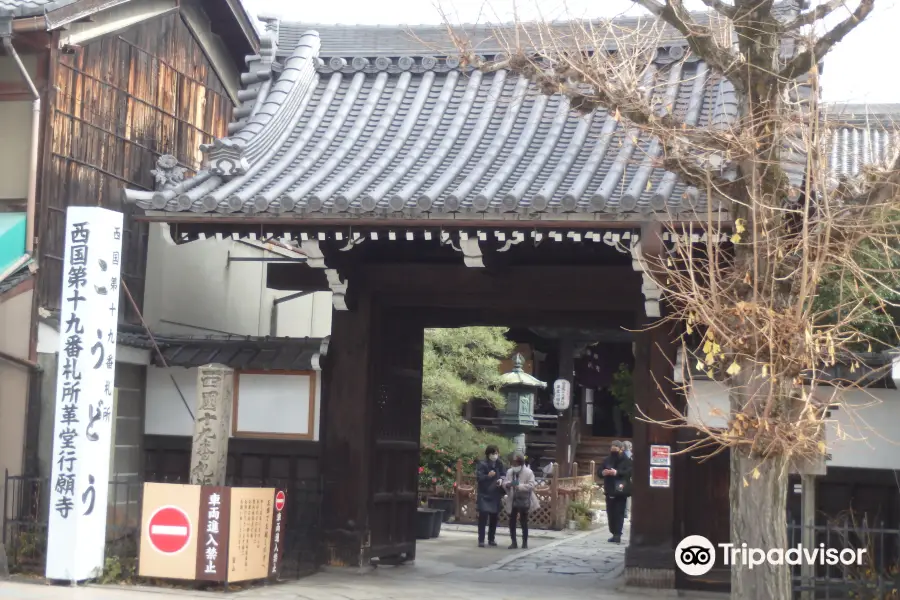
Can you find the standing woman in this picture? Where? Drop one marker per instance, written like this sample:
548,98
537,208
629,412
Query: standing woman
489,474
521,499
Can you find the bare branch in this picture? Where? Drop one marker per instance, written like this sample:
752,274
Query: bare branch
699,37
804,61
721,8
657,8
810,17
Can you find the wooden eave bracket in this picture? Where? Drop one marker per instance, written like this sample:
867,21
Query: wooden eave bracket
316,259
651,291
469,246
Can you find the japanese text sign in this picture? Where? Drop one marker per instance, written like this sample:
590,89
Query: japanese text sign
211,533
660,456
85,385
562,393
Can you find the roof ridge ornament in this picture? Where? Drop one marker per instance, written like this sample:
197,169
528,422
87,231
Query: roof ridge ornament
168,173
226,157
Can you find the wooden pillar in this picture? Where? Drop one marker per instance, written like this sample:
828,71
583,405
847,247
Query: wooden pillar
346,434
564,456
649,558
212,425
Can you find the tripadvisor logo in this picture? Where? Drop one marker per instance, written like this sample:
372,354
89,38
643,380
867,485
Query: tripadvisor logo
695,555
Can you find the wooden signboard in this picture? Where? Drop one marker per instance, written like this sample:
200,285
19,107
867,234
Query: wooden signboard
250,541
215,513
169,530
210,533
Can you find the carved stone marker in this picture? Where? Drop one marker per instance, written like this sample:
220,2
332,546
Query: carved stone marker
212,425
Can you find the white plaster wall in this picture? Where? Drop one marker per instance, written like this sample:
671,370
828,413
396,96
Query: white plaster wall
192,289
864,432
15,325
15,123
307,316
166,414
869,425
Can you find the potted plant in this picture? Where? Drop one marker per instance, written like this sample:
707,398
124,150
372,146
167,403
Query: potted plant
425,519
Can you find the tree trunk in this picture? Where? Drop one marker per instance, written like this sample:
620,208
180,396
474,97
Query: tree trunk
759,519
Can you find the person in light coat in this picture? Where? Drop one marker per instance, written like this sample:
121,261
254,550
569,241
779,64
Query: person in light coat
520,498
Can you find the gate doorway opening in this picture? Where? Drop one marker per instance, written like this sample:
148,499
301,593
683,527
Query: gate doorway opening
564,297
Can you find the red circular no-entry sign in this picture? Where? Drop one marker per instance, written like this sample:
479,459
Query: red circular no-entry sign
279,500
169,530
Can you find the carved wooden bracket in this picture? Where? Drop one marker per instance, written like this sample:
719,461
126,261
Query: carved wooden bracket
652,292
316,259
469,246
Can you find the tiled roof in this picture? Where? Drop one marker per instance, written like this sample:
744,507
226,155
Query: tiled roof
347,40
30,8
419,134
14,279
237,352
401,40
861,135
379,121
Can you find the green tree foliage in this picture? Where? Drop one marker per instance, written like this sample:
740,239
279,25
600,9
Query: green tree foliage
841,297
459,365
623,390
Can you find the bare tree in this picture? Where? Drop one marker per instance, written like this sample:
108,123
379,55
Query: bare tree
749,307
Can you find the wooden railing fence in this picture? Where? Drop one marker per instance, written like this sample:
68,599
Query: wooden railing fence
555,497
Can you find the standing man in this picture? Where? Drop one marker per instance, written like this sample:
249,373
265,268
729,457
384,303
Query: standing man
616,473
490,474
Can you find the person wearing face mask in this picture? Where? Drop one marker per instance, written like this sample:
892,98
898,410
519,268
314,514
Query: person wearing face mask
616,474
521,499
489,473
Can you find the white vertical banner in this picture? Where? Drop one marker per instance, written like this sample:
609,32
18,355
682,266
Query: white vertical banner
85,384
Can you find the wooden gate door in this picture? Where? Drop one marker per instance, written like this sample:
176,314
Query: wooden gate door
396,422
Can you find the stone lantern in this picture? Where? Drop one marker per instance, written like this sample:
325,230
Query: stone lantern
517,417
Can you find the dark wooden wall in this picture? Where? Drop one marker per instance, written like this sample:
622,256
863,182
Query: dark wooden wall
251,462
702,507
119,103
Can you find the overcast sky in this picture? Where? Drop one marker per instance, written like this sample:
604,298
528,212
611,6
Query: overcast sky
855,71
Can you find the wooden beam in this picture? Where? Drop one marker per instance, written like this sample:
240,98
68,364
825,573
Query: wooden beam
14,91
347,434
297,277
564,453
557,288
649,558
520,318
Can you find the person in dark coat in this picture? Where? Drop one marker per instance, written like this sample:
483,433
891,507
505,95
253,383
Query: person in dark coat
489,473
616,474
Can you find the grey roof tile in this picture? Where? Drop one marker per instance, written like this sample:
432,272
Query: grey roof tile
373,120
30,8
14,279
860,135
237,352
416,134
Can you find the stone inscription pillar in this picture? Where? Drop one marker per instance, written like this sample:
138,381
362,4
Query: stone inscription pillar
212,425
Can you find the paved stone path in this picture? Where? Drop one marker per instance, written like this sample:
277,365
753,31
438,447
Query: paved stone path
587,555
564,566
